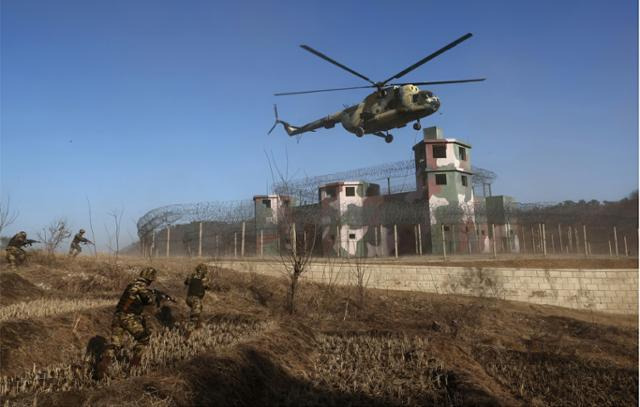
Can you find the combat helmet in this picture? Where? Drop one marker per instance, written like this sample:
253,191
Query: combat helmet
22,233
81,231
202,269
148,273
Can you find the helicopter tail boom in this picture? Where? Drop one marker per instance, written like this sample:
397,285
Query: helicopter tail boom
291,130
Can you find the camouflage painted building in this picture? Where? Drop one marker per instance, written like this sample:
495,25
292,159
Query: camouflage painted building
352,218
443,179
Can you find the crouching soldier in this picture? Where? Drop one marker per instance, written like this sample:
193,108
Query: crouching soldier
197,283
75,248
15,252
128,318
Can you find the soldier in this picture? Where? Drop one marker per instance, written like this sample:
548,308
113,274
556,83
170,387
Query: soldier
75,248
15,252
197,283
128,318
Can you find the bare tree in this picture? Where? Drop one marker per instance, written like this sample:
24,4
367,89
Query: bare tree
114,236
52,235
7,216
93,235
296,249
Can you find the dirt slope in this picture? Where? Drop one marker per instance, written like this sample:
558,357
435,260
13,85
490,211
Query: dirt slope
388,348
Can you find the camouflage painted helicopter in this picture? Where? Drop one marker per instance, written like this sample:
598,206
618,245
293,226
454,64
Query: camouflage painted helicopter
391,106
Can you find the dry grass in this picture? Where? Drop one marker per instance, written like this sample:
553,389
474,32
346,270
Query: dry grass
48,307
398,348
166,348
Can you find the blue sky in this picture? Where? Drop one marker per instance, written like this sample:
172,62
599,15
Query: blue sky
136,105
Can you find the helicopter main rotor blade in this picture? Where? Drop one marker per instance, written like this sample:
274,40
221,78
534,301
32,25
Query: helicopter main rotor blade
429,58
321,90
326,58
437,82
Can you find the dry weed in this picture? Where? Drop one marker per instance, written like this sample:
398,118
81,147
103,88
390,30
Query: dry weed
396,368
48,307
167,347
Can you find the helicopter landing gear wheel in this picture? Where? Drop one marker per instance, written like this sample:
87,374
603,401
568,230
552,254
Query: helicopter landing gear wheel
388,138
359,132
417,125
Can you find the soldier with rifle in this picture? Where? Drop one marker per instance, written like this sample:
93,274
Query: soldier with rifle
128,318
15,252
75,248
197,283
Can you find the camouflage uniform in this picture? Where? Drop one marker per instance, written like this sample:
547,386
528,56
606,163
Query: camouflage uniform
197,284
15,253
128,318
75,248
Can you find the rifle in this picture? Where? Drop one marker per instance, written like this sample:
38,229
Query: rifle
162,296
29,242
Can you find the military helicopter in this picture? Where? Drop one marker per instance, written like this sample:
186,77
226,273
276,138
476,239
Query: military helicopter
391,106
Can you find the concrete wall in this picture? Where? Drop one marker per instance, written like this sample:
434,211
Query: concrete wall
614,291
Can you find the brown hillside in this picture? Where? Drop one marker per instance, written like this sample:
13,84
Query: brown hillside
390,348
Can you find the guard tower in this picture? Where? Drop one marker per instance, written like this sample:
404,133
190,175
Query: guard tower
269,210
348,219
443,179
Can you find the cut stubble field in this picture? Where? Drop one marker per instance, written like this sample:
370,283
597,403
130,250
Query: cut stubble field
340,348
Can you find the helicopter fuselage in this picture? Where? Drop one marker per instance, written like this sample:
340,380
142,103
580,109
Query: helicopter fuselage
388,109
391,106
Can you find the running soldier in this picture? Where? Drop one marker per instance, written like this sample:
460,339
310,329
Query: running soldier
128,318
197,283
15,252
75,248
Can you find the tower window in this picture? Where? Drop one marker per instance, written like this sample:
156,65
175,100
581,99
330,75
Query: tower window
439,151
441,179
350,191
330,192
464,180
352,235
463,153
266,203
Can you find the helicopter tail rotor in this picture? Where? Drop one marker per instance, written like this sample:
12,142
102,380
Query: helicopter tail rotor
291,130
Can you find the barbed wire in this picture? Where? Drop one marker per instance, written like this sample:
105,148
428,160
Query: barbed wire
399,177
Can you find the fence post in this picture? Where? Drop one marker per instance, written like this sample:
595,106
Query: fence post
610,251
235,244
242,243
570,245
615,239
493,238
339,238
375,234
544,240
395,238
200,241
553,244
261,242
294,242
524,242
444,243
533,241
415,236
584,237
153,243
560,238
217,247
626,250
420,239
575,234
168,239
